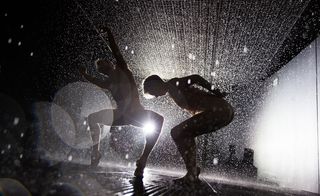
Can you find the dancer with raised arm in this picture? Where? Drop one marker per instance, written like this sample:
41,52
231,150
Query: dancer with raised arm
118,79
210,113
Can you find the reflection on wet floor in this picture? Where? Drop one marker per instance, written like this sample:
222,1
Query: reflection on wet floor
120,181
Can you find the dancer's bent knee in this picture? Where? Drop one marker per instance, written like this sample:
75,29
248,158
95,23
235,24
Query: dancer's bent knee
176,134
92,120
158,122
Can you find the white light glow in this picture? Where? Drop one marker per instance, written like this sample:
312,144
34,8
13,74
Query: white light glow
149,128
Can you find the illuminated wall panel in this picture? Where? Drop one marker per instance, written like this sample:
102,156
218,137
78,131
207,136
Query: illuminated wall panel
317,43
286,141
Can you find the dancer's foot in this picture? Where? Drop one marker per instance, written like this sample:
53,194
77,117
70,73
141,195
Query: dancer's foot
190,178
95,158
141,164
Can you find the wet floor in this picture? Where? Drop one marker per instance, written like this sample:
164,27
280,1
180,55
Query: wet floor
113,180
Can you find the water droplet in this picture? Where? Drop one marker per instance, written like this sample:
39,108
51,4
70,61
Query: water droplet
21,155
9,146
19,43
275,82
177,83
22,134
127,156
70,158
189,81
217,62
132,52
9,41
15,121
21,26
191,56
215,161
31,53
172,46
126,48
245,49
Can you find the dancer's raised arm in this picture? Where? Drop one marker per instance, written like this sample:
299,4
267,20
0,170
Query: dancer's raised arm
96,81
115,50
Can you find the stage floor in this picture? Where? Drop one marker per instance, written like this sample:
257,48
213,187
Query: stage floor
116,180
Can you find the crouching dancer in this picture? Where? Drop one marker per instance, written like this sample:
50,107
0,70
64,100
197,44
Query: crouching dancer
210,113
118,79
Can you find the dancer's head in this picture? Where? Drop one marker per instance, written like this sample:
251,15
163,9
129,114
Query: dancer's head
104,67
154,86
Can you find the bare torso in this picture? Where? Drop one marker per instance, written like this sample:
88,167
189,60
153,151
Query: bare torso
124,91
194,99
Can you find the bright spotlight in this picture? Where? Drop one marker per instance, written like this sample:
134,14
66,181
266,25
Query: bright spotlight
149,128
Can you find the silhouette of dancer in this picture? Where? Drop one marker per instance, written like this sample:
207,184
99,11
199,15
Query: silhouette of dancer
210,113
118,79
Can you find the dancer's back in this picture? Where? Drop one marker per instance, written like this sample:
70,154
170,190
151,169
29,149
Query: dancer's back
193,98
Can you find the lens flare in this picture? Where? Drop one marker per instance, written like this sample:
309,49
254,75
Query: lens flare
149,128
